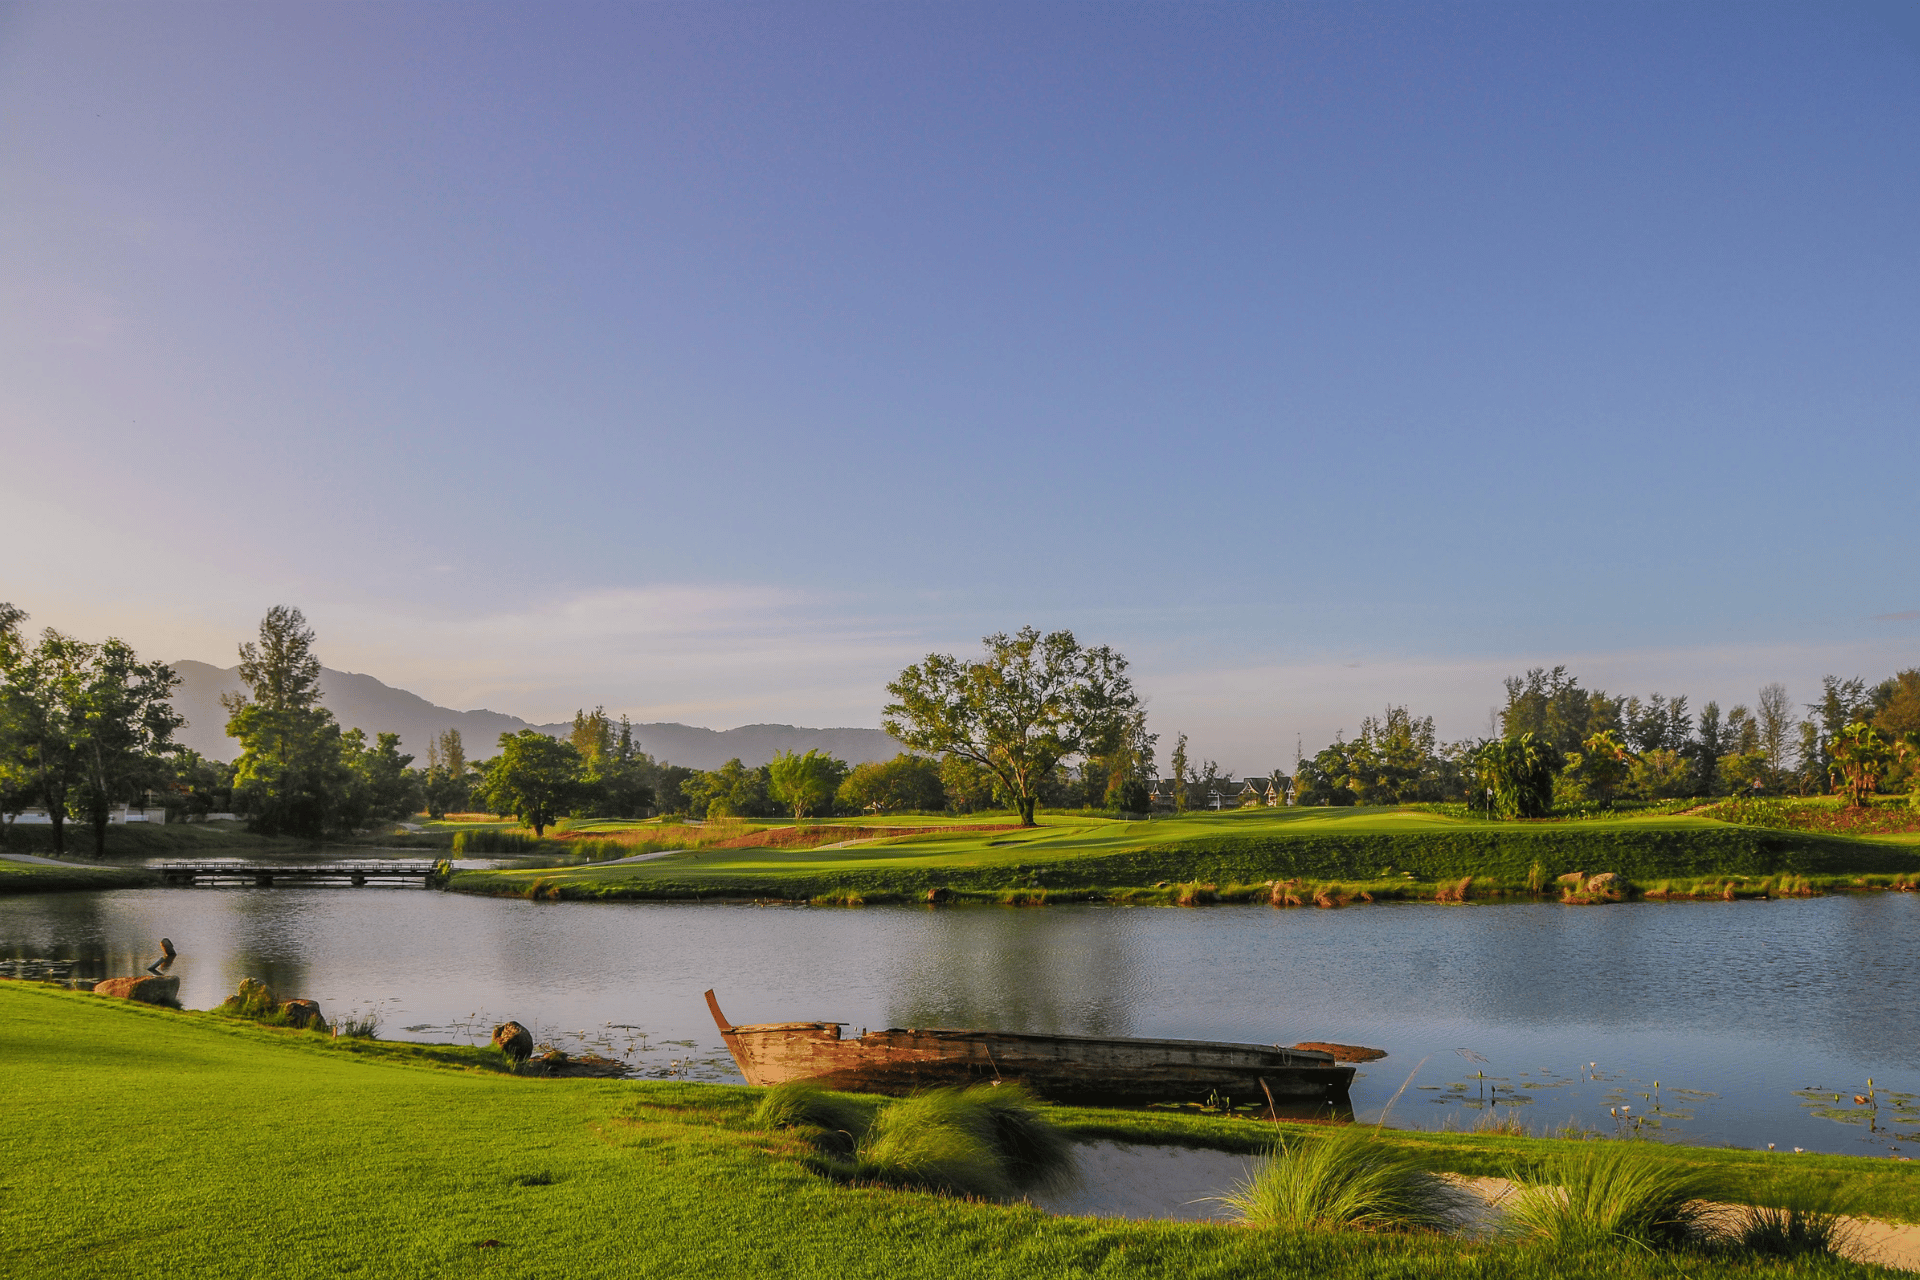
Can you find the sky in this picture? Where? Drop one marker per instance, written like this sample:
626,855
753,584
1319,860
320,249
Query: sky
713,362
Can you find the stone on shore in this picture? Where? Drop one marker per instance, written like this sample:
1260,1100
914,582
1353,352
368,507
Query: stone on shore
304,1014
144,988
513,1040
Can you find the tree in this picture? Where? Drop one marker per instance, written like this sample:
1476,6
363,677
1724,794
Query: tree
125,722
1392,761
85,726
290,777
731,791
1181,770
380,787
447,784
17,785
535,779
1710,746
907,781
1774,725
1861,757
1030,703
804,783
1601,764
967,786
1519,772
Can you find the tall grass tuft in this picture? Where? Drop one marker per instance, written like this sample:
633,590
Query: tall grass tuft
989,1141
830,1122
1016,1123
1345,1179
1805,1225
938,1140
1607,1193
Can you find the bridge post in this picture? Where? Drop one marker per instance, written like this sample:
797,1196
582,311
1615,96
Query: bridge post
264,879
359,877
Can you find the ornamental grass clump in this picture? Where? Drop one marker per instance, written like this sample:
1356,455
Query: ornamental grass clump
990,1141
1610,1193
1809,1224
937,1140
1346,1179
828,1121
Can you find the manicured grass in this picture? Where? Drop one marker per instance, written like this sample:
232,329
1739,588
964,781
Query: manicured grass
140,1141
1392,853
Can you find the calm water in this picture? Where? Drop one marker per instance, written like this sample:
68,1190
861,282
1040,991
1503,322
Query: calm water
1732,1007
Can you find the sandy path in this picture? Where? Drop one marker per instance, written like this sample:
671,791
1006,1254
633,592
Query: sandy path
1185,1183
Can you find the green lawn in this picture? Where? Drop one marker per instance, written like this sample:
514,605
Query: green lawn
1391,852
142,1141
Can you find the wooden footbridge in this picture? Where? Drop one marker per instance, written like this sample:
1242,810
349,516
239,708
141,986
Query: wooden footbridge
266,874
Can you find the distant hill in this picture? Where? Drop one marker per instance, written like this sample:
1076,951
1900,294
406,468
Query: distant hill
362,702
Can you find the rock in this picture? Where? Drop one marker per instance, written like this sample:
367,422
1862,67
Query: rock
939,895
304,1013
1601,883
1572,877
513,1040
146,990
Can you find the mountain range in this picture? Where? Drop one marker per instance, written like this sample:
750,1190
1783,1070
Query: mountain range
362,702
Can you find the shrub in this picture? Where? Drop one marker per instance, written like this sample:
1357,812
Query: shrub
1607,1193
254,999
1344,1179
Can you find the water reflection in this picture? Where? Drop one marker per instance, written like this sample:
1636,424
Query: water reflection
1731,1006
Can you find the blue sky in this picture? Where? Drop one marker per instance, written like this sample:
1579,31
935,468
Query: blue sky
712,361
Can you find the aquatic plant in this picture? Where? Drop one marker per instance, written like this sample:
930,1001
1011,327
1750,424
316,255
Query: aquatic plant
1604,1193
1345,1179
358,1025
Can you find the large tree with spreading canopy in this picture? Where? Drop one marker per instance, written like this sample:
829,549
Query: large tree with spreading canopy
1028,703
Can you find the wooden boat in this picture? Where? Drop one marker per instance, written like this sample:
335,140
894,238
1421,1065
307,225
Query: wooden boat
1111,1069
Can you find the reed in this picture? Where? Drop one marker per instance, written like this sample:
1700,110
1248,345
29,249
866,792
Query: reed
1457,891
1344,1180
1609,1193
1194,894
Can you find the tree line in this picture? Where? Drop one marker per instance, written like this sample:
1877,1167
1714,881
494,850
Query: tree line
1562,746
1036,720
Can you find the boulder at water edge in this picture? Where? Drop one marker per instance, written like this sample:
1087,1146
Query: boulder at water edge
304,1014
147,990
513,1040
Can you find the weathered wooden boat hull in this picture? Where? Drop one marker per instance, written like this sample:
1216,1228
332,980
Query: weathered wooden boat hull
1062,1068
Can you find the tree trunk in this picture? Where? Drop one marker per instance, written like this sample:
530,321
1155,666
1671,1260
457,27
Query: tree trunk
58,818
99,816
1026,812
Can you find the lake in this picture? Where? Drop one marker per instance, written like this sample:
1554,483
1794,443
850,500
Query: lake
1739,1010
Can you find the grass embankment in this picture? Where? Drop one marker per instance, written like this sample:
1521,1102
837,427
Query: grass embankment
1329,855
137,841
144,1141
38,877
